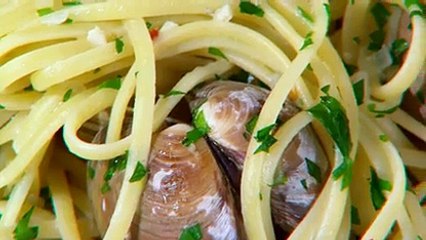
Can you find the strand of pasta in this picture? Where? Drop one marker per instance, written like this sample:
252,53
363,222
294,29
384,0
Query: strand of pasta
45,132
405,225
407,122
416,214
64,209
23,65
394,133
129,196
345,227
257,222
15,14
368,138
81,201
8,132
19,101
413,158
413,63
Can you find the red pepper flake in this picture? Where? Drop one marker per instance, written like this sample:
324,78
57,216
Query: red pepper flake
153,33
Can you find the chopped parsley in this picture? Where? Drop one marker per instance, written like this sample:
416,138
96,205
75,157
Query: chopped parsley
91,172
328,12
116,165
71,3
419,238
279,179
325,89
380,14
304,185
380,113
332,116
398,48
384,138
356,40
2,107
416,12
114,83
193,232
420,96
68,21
377,39
423,200
260,196
307,42
216,52
264,137
313,169
119,45
241,76
201,128
251,9
23,231
355,219
174,93
29,88
251,124
148,25
67,95
98,69
350,69
139,173
44,11
352,2
358,89
46,195
377,186
305,15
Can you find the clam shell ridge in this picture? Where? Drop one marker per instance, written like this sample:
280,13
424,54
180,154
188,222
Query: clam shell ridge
227,107
185,187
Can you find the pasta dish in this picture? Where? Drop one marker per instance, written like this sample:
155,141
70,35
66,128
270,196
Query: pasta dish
212,119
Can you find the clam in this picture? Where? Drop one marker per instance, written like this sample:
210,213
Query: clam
185,188
228,107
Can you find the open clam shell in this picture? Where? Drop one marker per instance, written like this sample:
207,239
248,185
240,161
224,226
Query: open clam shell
185,187
228,107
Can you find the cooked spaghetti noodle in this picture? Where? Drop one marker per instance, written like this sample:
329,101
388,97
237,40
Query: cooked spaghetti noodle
64,62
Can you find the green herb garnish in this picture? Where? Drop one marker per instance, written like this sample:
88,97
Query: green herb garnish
305,15
260,196
71,3
325,89
377,39
67,95
313,169
358,88
148,25
380,14
174,93
251,124
216,52
380,113
398,48
251,9
119,45
23,231
356,40
350,69
355,219
279,179
2,107
328,12
116,165
307,42
44,11
68,21
139,173
201,128
384,138
114,83
193,232
332,116
264,137
377,186
91,172
304,184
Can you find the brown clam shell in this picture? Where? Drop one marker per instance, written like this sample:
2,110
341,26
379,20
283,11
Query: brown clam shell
227,107
185,187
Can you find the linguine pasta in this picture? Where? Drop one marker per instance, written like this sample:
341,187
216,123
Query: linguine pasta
62,63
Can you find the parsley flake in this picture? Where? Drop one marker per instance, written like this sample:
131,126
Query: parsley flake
174,93
251,9
265,138
260,196
114,83
119,45
116,165
67,95
332,116
377,38
384,138
350,69
380,113
71,3
201,128
380,14
355,219
2,107
251,124
356,40
44,11
68,21
313,169
358,89
377,186
148,25
398,48
91,172
301,12
307,42
216,52
139,173
23,231
304,185
193,232
280,179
